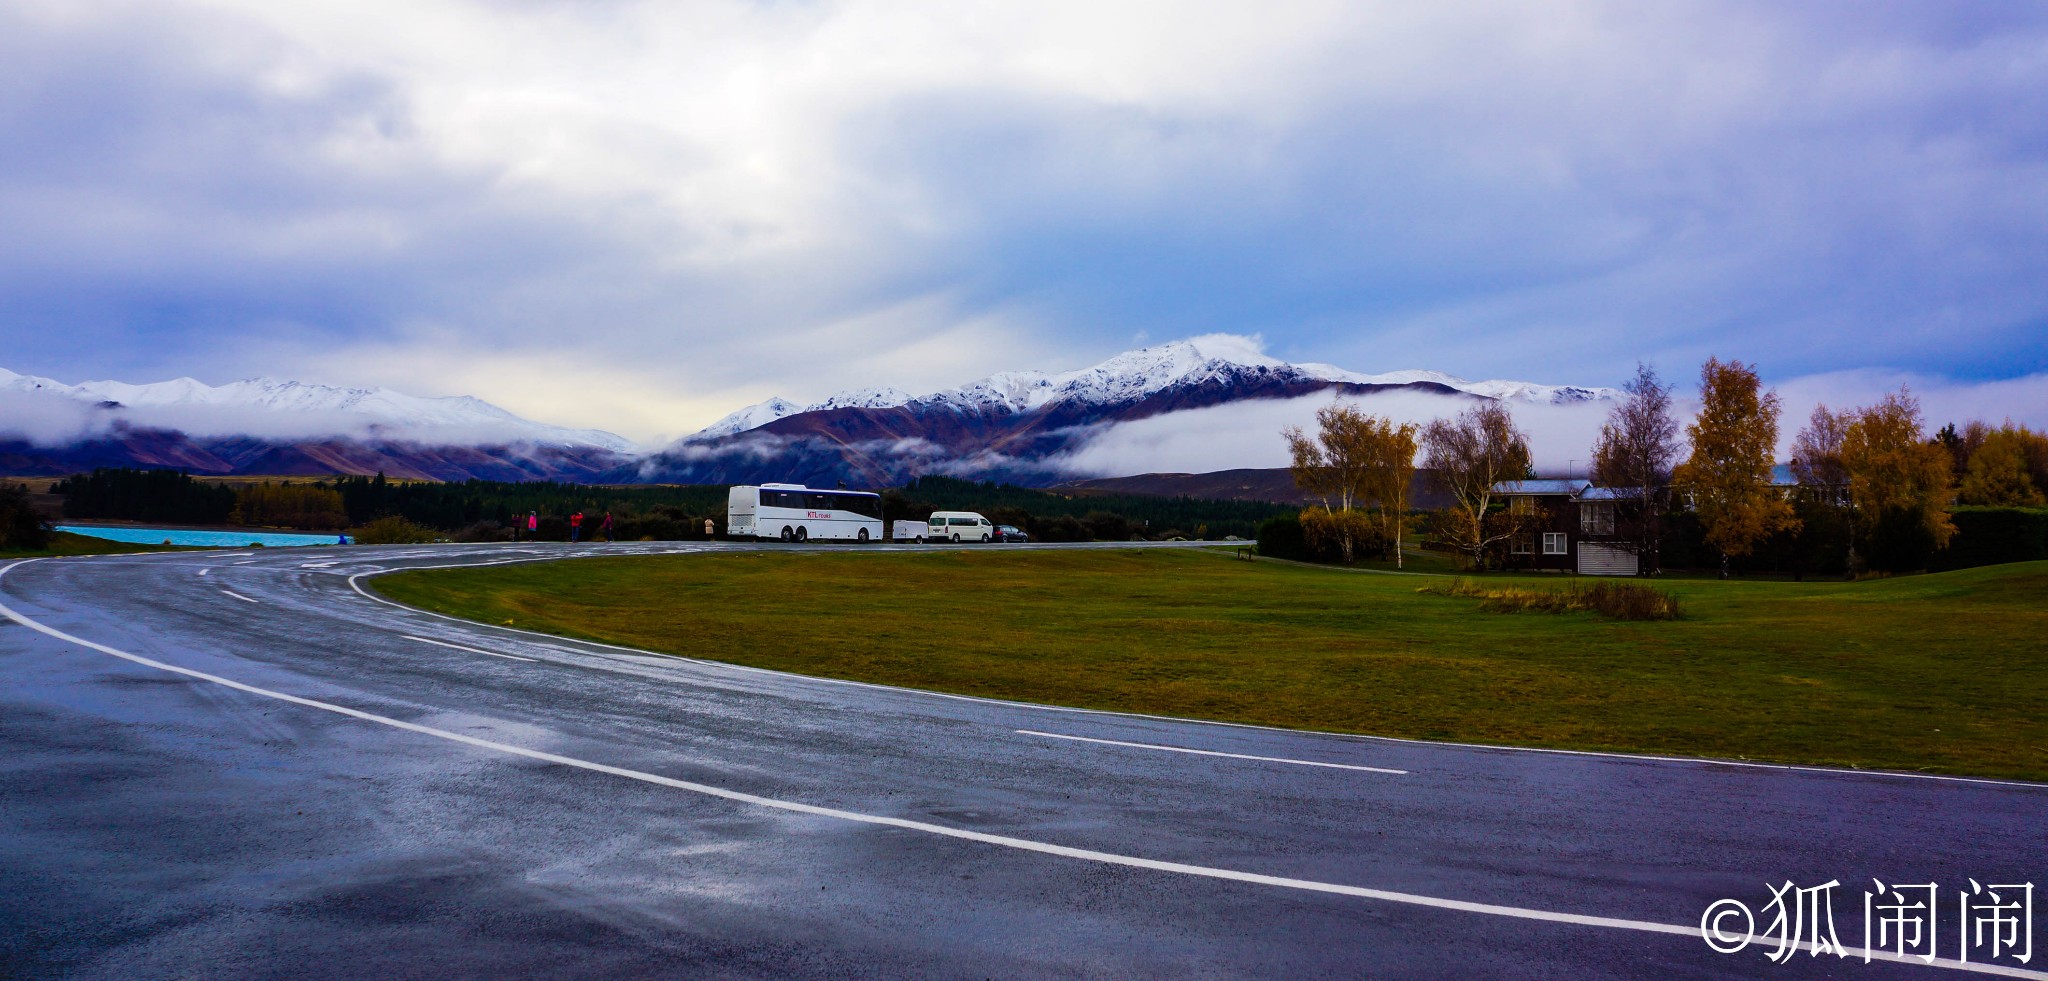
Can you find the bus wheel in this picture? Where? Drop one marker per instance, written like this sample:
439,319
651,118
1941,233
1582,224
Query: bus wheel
788,535
802,535
863,536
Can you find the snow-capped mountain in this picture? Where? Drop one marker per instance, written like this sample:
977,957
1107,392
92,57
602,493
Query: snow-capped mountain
1037,427
762,413
268,426
277,408
1217,398
1134,376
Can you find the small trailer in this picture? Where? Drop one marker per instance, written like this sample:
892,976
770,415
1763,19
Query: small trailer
906,531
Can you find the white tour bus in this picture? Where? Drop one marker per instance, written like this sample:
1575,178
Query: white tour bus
959,526
795,513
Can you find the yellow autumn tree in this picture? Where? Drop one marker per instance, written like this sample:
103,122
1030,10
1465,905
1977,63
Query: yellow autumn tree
1728,475
289,505
1354,461
1999,474
1899,484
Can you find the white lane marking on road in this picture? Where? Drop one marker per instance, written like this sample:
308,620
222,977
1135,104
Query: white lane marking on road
355,584
204,571
1211,752
315,565
1020,844
238,596
459,647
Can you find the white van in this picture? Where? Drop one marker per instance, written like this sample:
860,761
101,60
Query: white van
959,526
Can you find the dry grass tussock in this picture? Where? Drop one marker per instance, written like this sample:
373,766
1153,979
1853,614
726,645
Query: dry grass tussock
1619,600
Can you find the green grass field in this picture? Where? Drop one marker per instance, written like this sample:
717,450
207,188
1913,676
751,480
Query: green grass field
1941,672
66,543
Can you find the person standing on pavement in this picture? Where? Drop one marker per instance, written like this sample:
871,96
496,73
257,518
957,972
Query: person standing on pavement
576,527
607,527
533,526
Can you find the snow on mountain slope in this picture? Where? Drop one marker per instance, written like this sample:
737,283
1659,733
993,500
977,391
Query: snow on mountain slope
1133,375
272,407
752,417
866,398
1514,391
762,413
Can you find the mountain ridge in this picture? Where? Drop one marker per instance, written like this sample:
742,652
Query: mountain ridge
1021,426
1131,376
1026,427
322,410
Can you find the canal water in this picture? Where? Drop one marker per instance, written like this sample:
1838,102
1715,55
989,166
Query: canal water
180,536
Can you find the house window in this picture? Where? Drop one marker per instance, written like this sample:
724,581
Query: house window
1525,544
1596,519
1521,504
1553,543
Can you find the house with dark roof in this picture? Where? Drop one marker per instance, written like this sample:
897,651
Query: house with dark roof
1569,525
1546,510
1572,525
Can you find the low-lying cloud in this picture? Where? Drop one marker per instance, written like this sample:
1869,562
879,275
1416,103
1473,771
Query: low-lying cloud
1561,437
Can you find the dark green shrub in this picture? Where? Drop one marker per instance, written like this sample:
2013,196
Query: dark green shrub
1282,537
392,530
1059,528
1989,536
484,531
21,528
661,523
1104,526
1896,540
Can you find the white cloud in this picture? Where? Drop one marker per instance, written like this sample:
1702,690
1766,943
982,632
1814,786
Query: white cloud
46,421
720,201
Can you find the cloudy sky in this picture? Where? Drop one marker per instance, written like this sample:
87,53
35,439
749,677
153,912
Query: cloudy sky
639,216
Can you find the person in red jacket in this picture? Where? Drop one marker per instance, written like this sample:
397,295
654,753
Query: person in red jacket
576,527
533,526
607,527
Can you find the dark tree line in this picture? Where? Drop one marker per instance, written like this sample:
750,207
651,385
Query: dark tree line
1056,517
485,510
163,496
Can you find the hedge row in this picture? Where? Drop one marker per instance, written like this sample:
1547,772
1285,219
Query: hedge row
1989,536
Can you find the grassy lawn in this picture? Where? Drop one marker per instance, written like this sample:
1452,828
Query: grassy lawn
66,543
1942,672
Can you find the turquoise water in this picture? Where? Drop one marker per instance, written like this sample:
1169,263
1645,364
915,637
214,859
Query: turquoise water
225,539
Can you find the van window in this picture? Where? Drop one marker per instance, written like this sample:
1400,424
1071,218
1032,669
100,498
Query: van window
960,521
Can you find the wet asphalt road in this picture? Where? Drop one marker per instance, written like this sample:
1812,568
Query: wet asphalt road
516,806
